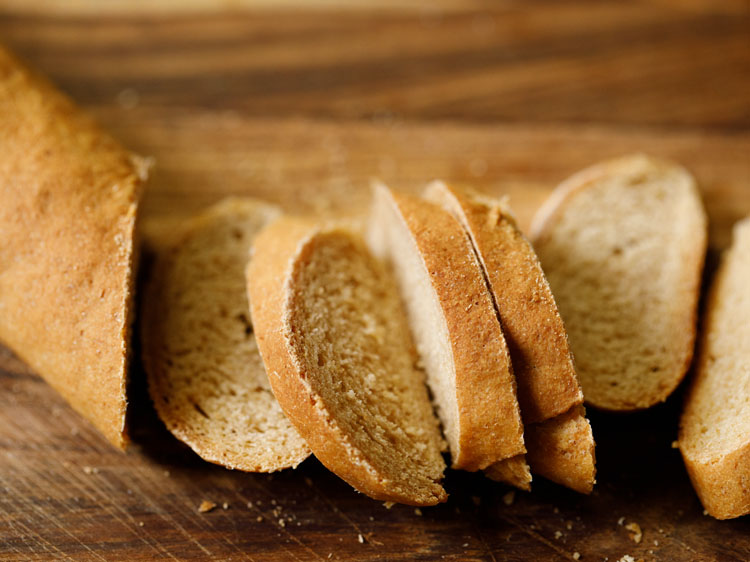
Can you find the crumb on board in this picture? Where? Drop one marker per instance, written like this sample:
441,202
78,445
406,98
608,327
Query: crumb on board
636,534
576,556
626,558
206,506
569,525
90,470
417,511
388,505
558,534
621,521
509,498
675,444
259,518
282,523
360,538
141,523
656,543
705,512
465,545
225,505
249,505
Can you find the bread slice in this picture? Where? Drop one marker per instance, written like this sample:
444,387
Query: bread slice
622,244
715,425
205,374
548,390
455,327
69,197
337,349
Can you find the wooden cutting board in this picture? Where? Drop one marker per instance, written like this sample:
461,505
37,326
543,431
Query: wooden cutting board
304,108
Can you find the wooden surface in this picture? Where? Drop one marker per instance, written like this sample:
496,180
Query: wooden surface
304,108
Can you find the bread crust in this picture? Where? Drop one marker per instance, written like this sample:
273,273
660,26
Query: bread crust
558,437
277,252
489,420
70,198
692,253
721,481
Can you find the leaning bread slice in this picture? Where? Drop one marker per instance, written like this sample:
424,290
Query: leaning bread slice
538,344
338,353
622,244
205,375
69,196
715,425
455,327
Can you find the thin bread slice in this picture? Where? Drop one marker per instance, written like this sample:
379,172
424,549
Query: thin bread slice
455,327
622,244
338,353
205,374
715,425
538,344
69,197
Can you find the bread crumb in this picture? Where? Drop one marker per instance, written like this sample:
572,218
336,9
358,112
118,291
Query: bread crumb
330,554
141,523
509,498
282,522
636,532
206,506
705,512
418,511
273,502
656,543
90,470
388,505
372,518
465,545
476,500
675,444
626,558
360,538
558,534
621,521
556,510
259,518
576,556
249,505
225,505
569,525
166,473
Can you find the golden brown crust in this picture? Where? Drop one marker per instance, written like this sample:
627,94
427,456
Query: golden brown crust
533,329
513,471
277,250
692,249
538,343
70,195
562,450
490,427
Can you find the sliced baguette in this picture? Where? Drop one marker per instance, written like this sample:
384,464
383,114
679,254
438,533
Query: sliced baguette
455,327
548,390
337,349
205,375
622,244
715,425
69,197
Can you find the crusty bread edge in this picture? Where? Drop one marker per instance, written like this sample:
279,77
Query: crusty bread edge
298,400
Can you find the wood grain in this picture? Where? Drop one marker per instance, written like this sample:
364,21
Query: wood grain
305,107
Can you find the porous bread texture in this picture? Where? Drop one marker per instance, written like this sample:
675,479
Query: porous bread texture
338,352
715,424
622,244
205,374
455,327
548,390
69,197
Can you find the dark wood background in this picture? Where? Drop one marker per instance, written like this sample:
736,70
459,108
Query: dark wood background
304,106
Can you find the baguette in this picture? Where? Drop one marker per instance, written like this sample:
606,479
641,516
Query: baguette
455,327
558,437
341,363
205,375
622,244
715,425
70,197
